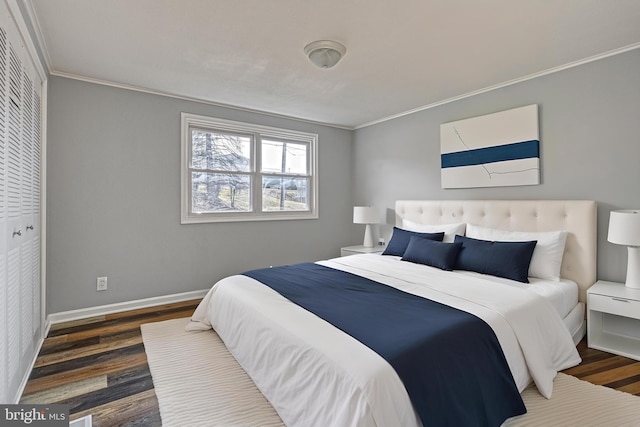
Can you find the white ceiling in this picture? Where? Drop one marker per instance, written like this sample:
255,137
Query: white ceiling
402,55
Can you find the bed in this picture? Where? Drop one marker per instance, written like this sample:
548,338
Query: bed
313,373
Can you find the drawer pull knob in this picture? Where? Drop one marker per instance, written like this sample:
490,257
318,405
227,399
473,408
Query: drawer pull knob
619,299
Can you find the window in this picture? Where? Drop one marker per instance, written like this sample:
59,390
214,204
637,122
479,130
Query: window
233,171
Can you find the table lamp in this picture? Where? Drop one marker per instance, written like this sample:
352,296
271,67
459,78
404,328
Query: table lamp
366,215
624,229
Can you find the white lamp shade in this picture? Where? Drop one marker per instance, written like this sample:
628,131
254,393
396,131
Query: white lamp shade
624,227
365,215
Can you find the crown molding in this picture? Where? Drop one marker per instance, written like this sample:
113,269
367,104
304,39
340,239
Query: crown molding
505,84
190,98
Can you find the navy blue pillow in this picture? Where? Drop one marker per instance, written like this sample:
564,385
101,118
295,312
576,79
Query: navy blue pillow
400,239
503,259
432,253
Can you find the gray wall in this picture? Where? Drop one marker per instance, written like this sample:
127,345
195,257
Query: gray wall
113,201
590,147
113,180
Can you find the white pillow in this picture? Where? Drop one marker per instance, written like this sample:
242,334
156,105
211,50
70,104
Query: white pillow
547,255
450,230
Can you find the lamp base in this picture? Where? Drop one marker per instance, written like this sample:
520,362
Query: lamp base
368,238
633,267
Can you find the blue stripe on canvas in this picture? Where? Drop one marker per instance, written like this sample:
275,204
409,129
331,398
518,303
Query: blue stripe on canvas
499,153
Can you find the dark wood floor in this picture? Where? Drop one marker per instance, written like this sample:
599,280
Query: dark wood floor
98,366
599,367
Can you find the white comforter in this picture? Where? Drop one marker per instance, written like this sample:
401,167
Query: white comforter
314,374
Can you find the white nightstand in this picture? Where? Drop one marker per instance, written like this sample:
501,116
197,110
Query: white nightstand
353,250
613,319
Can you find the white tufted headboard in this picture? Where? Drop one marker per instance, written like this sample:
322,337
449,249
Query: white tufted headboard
577,217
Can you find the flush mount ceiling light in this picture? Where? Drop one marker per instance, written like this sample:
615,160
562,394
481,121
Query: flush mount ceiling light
325,53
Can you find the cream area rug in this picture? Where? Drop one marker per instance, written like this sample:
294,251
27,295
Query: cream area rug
199,383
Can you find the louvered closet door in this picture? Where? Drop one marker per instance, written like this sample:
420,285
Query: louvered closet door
34,228
4,303
20,154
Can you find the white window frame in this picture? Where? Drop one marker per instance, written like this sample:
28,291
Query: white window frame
189,121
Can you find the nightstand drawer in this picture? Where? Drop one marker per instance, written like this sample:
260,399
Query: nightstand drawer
614,305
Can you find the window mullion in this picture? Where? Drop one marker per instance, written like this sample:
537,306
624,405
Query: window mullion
257,173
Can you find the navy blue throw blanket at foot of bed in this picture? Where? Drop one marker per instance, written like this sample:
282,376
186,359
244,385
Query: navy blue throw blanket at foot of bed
450,361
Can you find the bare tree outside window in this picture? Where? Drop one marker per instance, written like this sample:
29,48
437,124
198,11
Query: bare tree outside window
222,182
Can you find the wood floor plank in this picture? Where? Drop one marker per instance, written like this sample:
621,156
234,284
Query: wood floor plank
108,394
122,336
590,355
624,382
66,391
117,326
59,340
633,388
70,376
64,325
104,358
601,365
123,340
614,374
126,411
190,304
151,418
183,309
135,373
60,343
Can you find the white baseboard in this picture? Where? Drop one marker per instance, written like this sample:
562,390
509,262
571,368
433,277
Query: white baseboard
27,374
68,316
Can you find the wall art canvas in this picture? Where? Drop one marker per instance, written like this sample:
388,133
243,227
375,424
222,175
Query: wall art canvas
496,150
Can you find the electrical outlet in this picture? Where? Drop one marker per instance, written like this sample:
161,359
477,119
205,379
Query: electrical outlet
101,284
